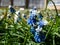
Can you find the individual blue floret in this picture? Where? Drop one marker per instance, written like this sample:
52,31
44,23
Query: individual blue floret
32,30
37,37
12,10
31,16
33,11
24,16
34,8
41,23
31,21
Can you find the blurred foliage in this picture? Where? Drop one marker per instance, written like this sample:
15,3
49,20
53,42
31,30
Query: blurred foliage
19,33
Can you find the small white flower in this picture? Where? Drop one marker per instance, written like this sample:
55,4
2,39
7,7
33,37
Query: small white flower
30,10
15,18
22,9
8,15
9,6
23,15
38,11
45,22
58,14
34,12
1,17
17,12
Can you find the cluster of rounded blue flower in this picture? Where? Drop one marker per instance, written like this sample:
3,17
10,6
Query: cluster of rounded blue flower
17,15
36,25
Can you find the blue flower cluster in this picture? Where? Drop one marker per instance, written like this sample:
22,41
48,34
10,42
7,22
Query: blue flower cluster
17,16
39,37
12,10
36,28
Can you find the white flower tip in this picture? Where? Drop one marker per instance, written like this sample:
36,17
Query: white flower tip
1,16
8,14
38,12
38,29
34,7
45,22
15,16
22,9
23,15
30,10
17,12
58,14
9,6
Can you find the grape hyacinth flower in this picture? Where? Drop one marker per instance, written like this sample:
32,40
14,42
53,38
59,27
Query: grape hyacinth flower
31,21
37,26
32,30
32,15
42,23
32,18
18,16
39,37
34,11
24,16
12,10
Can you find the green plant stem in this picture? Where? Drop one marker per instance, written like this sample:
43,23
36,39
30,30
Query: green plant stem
55,7
53,39
55,18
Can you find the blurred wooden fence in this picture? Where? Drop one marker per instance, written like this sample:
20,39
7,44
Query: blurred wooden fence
37,3
57,3
27,3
